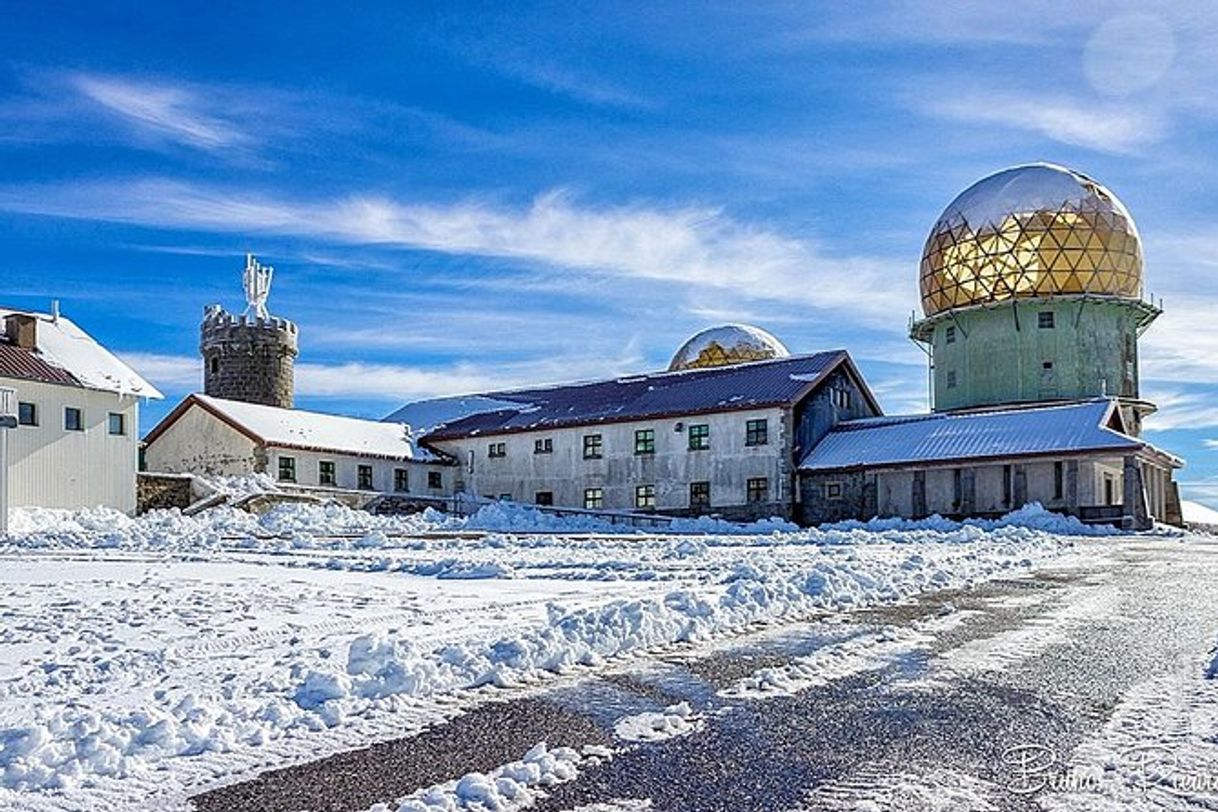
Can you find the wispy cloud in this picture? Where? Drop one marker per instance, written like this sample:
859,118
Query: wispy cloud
1213,444
165,111
1107,127
695,246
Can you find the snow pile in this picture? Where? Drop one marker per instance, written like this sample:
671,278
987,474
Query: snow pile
518,785
238,487
511,517
1032,516
654,726
1197,513
867,652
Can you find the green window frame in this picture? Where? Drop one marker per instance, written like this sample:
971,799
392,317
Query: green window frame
645,441
699,437
327,473
594,447
757,489
757,432
644,496
287,469
594,498
699,495
401,480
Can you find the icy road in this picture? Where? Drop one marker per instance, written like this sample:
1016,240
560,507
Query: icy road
1082,687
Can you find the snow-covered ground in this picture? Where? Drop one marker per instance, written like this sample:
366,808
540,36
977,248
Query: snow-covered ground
142,660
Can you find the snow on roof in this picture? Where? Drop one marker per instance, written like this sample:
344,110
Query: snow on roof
751,385
1197,513
294,428
877,442
64,346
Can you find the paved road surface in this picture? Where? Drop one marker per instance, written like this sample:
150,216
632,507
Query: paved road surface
1025,668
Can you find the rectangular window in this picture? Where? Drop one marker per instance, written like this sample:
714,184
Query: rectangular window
699,437
27,414
117,424
645,441
840,398
544,497
1059,479
1044,320
505,497
594,446
365,477
287,469
949,334
1006,485
757,432
699,495
544,445
951,379
645,496
757,490
434,479
401,479
327,473
496,450
594,498
1047,365
73,419
833,490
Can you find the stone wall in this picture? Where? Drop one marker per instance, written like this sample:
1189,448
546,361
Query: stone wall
251,360
162,492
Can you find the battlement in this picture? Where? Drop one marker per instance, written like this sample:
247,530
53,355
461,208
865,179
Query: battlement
217,319
250,359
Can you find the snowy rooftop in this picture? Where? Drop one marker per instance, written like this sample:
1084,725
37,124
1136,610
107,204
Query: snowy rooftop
314,431
877,442
67,355
634,397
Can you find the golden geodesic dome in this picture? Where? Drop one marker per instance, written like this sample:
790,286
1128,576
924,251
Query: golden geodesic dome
1035,230
726,345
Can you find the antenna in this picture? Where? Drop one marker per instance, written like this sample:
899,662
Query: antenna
257,279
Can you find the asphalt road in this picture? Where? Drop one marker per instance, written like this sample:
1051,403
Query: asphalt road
1012,666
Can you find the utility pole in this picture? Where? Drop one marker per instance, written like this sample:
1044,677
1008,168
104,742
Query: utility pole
8,420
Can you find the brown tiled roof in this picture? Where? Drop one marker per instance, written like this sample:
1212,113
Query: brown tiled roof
27,365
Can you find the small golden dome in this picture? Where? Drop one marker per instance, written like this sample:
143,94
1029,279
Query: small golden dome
726,345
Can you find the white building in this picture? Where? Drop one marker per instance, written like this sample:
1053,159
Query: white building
215,437
77,440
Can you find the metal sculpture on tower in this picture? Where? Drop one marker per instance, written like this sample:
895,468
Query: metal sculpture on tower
257,279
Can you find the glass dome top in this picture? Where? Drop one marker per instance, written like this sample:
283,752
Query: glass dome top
1030,231
726,345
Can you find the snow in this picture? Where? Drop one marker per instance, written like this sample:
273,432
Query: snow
1197,513
144,658
653,726
295,428
62,344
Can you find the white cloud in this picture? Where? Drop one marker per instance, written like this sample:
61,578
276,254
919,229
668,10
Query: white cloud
164,111
1103,126
694,246
1211,444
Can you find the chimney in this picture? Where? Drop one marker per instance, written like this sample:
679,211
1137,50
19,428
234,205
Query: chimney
22,330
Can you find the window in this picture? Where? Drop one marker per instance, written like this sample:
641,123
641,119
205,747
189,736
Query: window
645,496
1059,480
401,479
73,419
833,490
951,379
1047,365
594,498
594,446
840,398
117,424
699,437
1044,320
215,366
757,490
505,497
496,450
544,497
364,474
699,495
645,441
434,479
1006,485
544,445
949,334
757,432
327,473
27,414
287,469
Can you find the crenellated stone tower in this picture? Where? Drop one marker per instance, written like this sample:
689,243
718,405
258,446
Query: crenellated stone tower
251,357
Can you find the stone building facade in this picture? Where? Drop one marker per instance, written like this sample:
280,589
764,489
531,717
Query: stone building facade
249,359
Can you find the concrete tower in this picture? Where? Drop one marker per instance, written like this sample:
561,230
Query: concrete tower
1032,291
250,357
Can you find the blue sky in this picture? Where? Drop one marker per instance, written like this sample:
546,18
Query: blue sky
459,197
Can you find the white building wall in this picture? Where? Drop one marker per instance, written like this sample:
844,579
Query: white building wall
49,466
200,443
308,471
728,464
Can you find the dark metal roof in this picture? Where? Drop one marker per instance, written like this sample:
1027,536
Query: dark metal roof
909,440
27,365
760,384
